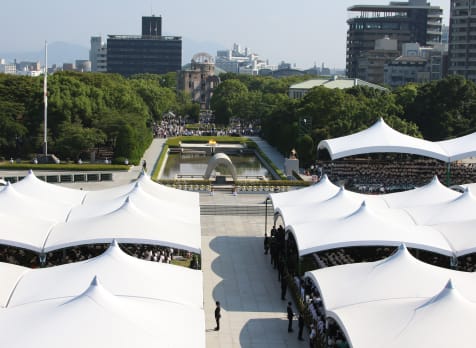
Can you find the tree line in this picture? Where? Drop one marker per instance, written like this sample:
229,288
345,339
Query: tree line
86,111
434,111
92,110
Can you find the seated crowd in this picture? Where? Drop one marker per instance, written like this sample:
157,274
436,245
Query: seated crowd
342,256
154,253
395,173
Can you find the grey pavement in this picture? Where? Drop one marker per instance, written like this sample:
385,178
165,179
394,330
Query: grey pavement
238,274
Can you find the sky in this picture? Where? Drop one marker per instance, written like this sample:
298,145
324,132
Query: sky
301,32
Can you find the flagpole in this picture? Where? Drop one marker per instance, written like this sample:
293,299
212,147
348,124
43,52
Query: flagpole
45,100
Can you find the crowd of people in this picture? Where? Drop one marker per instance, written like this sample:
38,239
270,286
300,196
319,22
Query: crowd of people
394,174
154,253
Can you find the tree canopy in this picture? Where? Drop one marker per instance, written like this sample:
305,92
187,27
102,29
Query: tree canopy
85,111
435,111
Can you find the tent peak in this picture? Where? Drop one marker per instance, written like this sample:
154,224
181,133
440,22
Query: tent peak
95,281
435,179
400,253
114,243
402,247
448,291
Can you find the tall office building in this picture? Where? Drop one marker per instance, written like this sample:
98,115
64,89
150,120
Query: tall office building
152,26
406,22
97,54
147,53
462,39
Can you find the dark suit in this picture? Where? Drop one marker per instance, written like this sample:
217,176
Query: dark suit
290,318
217,317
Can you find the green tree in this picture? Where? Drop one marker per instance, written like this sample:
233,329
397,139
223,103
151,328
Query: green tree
226,100
74,139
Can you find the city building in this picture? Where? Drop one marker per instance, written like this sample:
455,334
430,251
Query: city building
417,64
370,64
199,80
83,65
462,39
241,61
147,53
98,54
412,21
7,68
299,90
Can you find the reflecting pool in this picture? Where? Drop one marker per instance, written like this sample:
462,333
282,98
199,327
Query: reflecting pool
195,164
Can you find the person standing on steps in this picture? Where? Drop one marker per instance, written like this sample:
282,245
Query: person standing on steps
289,309
217,315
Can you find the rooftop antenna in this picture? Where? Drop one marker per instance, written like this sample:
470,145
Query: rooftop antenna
45,100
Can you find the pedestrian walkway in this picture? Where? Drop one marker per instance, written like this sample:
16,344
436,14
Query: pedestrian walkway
273,154
238,274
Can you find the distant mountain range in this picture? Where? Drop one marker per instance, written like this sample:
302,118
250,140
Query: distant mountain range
64,52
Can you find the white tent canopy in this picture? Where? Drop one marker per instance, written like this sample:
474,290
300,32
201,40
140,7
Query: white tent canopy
144,201
21,205
380,138
31,186
127,225
342,203
159,191
461,235
398,276
9,276
444,320
123,275
363,228
461,208
97,318
432,193
319,192
24,232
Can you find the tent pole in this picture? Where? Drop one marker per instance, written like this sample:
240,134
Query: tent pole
266,217
448,174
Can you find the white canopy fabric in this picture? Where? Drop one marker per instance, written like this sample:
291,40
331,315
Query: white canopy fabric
20,205
461,208
432,193
159,191
10,275
380,138
460,235
24,232
97,318
398,276
127,225
363,228
31,186
144,201
318,192
123,275
459,148
444,320
341,204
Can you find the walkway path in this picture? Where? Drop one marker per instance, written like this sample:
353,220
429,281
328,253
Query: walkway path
273,154
238,274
